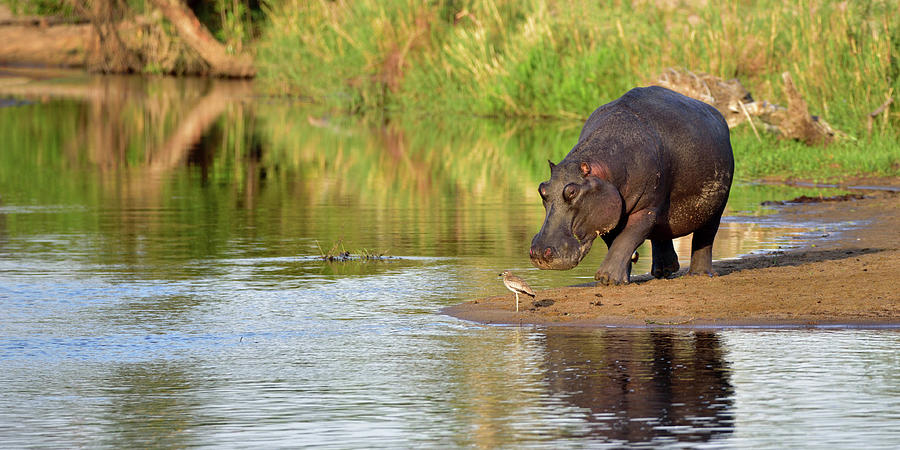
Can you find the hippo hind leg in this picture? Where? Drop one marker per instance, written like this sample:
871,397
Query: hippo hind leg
701,248
665,260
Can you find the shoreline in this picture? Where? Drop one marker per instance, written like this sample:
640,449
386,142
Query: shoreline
849,281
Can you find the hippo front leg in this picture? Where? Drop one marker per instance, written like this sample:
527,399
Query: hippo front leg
616,267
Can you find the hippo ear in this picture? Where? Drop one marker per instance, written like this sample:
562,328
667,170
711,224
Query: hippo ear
594,169
551,164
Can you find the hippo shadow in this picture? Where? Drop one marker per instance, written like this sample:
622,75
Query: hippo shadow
766,260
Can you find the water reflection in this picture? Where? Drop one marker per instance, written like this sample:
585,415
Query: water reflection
150,405
686,389
160,286
656,386
610,387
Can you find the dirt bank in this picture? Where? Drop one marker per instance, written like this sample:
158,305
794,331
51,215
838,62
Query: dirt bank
852,279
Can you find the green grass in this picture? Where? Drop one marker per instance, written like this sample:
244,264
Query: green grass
337,253
772,158
540,58
40,7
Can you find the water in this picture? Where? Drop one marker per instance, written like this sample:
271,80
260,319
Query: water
160,286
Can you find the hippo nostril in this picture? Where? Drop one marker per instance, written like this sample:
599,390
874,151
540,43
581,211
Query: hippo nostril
548,252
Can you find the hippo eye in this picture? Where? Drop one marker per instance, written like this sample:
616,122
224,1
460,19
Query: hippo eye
570,191
542,189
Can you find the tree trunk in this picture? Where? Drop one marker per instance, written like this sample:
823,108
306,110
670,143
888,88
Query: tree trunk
199,38
110,55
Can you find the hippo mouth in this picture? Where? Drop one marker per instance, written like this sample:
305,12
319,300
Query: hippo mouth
562,262
578,247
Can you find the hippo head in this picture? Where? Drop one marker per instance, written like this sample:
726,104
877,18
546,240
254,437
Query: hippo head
581,205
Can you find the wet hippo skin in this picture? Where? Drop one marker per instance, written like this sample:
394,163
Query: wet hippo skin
652,164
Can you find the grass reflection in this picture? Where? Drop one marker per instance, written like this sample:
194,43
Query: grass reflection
129,133
169,171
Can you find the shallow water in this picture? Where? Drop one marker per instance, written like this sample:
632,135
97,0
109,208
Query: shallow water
160,285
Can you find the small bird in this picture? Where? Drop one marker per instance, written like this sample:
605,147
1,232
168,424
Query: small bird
517,285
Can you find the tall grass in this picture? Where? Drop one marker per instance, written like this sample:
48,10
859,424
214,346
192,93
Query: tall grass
344,53
539,58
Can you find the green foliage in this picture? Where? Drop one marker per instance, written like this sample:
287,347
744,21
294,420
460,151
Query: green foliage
40,7
329,50
234,22
539,58
878,156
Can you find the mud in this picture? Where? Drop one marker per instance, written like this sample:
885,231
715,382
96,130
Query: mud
808,199
851,278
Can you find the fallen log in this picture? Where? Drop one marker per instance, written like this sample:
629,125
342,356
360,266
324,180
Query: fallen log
737,105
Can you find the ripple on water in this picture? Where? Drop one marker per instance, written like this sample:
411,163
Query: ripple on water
188,308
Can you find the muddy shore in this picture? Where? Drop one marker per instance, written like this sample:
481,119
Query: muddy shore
848,279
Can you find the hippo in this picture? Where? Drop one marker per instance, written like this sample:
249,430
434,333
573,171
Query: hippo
652,164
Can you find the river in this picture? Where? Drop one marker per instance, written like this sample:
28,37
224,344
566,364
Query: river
161,284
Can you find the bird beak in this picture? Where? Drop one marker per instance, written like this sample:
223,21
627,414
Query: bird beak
499,274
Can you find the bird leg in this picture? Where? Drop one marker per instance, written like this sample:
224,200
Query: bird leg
517,302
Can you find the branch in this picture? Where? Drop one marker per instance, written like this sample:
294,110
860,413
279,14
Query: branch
202,41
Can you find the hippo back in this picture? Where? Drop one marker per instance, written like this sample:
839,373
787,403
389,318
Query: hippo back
686,139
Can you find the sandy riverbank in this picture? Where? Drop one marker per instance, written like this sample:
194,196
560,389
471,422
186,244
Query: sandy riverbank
852,279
